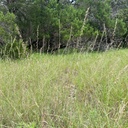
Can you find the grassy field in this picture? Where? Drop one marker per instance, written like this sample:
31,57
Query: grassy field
77,90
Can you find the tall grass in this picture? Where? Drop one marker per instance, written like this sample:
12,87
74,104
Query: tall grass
77,90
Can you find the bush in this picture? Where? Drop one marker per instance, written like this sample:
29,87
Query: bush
14,49
8,27
10,44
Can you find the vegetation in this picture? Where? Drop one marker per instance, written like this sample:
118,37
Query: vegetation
14,50
76,90
75,86
10,46
47,25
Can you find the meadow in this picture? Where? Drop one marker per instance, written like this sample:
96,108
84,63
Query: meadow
76,90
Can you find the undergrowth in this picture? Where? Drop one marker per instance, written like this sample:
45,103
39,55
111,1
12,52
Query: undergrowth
77,90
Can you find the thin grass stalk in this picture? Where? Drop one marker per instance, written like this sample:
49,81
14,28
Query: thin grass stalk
31,50
101,39
113,34
94,43
69,40
106,38
18,31
59,34
70,36
82,28
42,48
37,37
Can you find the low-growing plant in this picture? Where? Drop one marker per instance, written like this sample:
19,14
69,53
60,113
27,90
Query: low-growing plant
25,125
77,90
14,49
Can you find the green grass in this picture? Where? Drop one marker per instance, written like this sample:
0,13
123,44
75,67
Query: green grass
77,90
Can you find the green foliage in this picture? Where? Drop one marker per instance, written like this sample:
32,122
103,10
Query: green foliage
70,23
7,26
121,28
14,49
123,15
59,22
51,20
10,47
24,125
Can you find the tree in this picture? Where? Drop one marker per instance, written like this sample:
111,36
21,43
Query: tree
51,24
10,45
103,18
7,26
47,23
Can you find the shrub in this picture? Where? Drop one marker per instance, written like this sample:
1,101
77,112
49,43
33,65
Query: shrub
8,27
14,49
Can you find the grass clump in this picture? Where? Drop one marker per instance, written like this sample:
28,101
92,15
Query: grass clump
77,90
13,49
